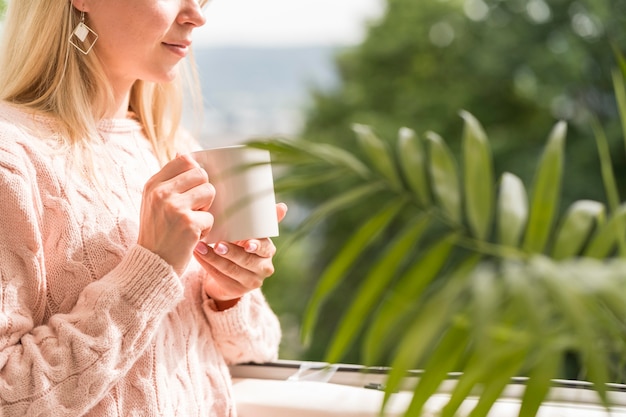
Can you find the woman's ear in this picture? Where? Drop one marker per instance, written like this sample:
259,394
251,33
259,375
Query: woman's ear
80,5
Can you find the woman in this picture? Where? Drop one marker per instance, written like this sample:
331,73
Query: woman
110,303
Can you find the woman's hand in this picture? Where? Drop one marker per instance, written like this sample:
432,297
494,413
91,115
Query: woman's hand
237,268
174,211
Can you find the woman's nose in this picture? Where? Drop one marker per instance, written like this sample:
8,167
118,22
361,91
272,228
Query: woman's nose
191,13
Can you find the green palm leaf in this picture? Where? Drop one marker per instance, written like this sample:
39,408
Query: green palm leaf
402,299
497,376
606,167
496,336
443,361
295,182
379,154
344,260
566,291
506,357
382,272
434,315
578,224
477,177
607,235
296,153
338,203
540,381
512,210
546,189
412,158
444,178
620,95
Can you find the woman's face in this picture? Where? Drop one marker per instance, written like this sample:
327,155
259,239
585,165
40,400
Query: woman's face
141,39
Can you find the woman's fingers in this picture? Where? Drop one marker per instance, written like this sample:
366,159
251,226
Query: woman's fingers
233,271
281,211
174,211
238,267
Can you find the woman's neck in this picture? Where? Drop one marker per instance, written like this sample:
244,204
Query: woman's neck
120,110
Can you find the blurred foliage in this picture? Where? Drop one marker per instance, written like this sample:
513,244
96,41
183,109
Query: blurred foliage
517,65
471,273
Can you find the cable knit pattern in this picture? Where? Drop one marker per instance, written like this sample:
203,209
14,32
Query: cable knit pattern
91,323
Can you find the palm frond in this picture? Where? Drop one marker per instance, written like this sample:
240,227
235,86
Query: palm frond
447,292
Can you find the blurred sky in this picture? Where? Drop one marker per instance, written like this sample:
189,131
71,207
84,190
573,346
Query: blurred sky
286,22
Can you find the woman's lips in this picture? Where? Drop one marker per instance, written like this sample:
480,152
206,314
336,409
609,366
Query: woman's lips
179,49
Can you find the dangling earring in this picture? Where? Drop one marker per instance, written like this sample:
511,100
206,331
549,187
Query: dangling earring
84,34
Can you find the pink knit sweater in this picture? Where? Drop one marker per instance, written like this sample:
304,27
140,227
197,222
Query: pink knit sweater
90,322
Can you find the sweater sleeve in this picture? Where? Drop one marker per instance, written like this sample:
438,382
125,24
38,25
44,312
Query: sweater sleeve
64,365
247,332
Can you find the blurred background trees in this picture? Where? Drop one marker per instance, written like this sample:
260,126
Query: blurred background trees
517,65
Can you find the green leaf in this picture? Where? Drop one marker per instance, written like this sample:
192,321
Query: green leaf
379,154
434,315
411,155
478,177
499,346
497,375
333,274
444,177
406,292
373,286
606,167
570,298
607,235
358,195
608,283
621,60
486,296
578,224
493,368
512,213
291,182
443,361
608,176
546,190
620,95
294,152
539,381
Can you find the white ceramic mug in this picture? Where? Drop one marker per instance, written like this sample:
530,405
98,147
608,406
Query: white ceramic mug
245,205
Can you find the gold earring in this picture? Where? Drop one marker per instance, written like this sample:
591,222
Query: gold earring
83,37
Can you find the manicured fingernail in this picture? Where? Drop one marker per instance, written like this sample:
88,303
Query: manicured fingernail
252,247
202,248
221,249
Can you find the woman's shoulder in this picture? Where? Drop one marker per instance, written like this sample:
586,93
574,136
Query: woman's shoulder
22,128
23,137
11,117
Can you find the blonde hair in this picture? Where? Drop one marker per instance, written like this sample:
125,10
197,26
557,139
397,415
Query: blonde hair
43,72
